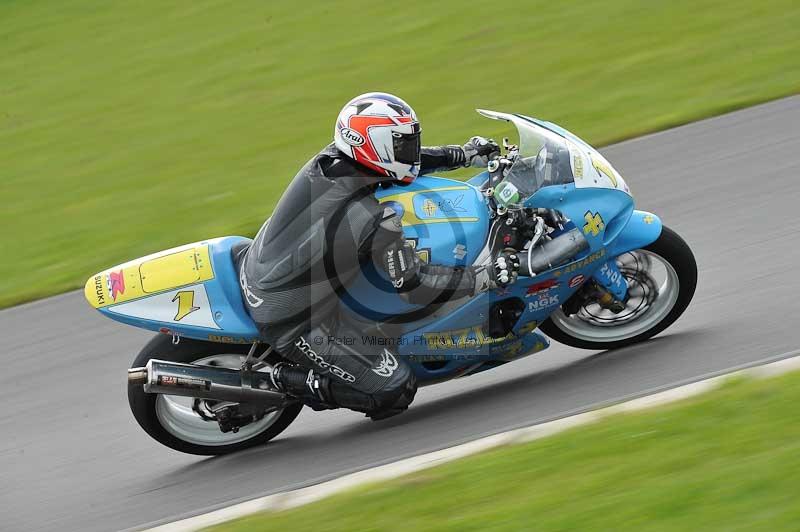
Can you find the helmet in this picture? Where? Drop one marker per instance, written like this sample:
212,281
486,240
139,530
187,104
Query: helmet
381,132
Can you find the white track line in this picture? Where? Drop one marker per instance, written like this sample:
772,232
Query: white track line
291,499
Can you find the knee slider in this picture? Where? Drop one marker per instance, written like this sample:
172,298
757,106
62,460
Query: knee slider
398,392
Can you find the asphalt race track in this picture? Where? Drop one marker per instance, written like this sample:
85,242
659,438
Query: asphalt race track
73,458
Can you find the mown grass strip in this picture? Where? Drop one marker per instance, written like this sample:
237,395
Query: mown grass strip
727,460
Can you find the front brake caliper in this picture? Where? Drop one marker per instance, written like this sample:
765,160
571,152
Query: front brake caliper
592,292
607,301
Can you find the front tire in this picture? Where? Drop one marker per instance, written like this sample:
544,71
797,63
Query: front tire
171,421
587,329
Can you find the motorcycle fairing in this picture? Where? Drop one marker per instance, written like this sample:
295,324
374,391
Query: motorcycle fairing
190,291
445,218
642,229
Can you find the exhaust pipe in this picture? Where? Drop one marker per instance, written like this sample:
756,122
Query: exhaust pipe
206,382
553,253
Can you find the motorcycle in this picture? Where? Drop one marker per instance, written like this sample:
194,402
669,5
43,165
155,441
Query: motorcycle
595,274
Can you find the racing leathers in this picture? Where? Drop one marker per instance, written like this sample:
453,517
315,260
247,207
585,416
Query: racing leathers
325,227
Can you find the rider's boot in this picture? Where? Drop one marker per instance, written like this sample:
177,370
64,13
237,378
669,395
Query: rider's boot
321,393
303,384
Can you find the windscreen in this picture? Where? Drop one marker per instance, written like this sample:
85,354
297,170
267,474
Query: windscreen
550,155
543,157
540,164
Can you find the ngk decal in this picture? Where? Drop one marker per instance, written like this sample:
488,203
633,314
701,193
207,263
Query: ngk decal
544,301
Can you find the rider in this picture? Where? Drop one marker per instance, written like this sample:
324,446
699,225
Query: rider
326,225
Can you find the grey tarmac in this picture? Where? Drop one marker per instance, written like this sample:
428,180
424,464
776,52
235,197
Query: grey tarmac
73,458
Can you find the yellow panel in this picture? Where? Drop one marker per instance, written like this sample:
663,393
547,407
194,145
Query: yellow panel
406,199
95,291
150,275
175,269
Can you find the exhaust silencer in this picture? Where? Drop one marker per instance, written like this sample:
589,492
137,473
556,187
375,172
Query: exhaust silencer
205,382
553,253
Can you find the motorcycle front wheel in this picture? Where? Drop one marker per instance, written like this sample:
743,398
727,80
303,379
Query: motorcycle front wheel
183,423
661,277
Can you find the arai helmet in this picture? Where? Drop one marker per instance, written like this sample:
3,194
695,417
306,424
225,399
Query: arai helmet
381,132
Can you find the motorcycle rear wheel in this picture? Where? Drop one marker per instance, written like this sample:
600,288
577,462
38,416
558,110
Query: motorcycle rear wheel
590,329
171,421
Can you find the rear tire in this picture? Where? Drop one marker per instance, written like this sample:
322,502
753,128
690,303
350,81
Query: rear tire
671,248
144,408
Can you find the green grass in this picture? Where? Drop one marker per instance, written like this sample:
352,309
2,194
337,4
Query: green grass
728,460
129,127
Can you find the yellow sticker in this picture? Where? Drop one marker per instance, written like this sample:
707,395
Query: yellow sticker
569,268
594,223
603,168
473,337
185,299
577,162
429,208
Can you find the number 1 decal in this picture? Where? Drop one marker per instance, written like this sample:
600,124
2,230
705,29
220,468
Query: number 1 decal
185,301
601,167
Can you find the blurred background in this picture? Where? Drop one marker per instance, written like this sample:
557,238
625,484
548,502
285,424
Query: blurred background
127,128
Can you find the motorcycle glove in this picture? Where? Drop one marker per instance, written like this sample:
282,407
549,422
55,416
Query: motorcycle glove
477,151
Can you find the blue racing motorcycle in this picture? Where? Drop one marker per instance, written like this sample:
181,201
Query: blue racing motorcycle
596,274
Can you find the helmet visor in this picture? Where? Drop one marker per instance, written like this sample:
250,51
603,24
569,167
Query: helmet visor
407,146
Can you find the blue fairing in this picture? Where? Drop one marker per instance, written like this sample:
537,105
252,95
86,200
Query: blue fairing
642,229
229,310
445,216
231,322
447,222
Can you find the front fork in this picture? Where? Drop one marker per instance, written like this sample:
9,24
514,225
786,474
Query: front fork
612,285
609,290
611,279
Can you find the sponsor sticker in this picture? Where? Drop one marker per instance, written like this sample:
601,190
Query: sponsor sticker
461,338
581,263
351,136
230,339
429,207
576,281
507,192
182,382
613,276
452,206
116,284
424,254
594,223
545,301
98,290
577,164
542,286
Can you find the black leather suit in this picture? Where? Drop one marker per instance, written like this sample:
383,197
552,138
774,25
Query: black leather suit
326,225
